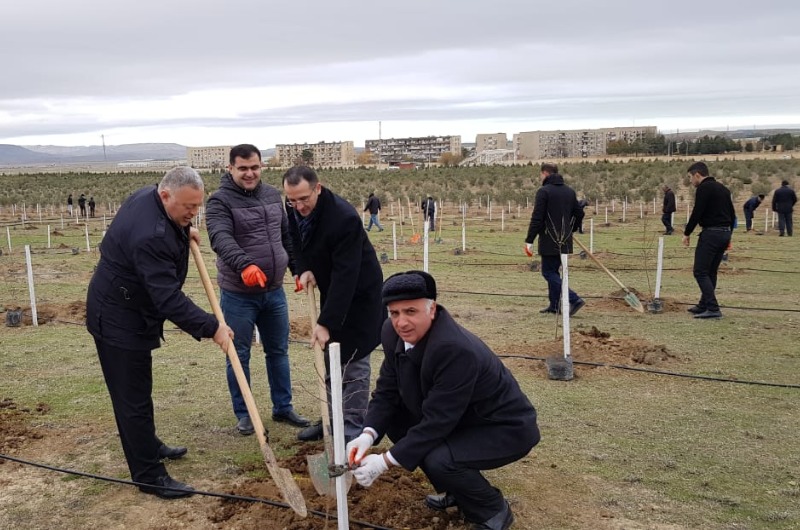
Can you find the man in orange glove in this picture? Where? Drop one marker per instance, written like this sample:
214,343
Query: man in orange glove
248,229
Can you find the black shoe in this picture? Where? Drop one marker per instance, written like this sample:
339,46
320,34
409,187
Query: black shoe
549,310
709,314
245,426
292,418
173,453
501,521
696,309
574,308
176,489
440,502
309,434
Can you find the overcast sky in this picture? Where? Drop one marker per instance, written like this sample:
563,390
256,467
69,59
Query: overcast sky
206,72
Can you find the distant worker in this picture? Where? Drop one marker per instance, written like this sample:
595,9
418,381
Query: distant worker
783,201
555,216
668,209
428,207
583,203
82,204
749,209
69,204
373,206
714,212
92,204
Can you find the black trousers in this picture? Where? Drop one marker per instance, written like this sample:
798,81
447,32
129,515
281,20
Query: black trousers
748,219
711,245
785,223
129,378
666,220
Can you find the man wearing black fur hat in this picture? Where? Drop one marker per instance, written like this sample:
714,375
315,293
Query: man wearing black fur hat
447,403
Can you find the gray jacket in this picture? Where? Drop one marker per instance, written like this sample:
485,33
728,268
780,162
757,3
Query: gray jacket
246,228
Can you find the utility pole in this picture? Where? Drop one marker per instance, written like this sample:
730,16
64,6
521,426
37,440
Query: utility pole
103,137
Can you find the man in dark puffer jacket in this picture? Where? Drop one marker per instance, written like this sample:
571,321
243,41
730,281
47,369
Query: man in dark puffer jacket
248,229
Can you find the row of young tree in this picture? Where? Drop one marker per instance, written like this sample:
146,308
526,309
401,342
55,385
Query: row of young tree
659,145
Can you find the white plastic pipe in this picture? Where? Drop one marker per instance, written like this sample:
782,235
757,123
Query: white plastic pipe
591,235
659,266
48,236
338,435
502,221
31,291
565,306
394,239
426,228
8,235
463,236
88,248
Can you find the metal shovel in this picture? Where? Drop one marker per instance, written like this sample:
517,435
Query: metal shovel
630,298
323,474
283,477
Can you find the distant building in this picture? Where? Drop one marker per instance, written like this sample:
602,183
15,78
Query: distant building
422,149
217,157
489,142
150,164
324,154
537,145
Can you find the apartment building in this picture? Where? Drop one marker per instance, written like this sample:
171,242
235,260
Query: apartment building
537,145
488,142
421,149
325,154
208,157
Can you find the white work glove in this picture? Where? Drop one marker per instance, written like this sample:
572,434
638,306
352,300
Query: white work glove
358,447
529,249
371,468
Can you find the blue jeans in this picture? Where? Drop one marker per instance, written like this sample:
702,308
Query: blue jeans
373,220
270,313
550,271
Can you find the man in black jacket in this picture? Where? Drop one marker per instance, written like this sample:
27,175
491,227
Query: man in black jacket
373,207
713,210
783,201
556,214
249,231
668,209
447,403
135,287
333,252
750,208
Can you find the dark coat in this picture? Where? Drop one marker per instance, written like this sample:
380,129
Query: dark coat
248,228
669,202
556,214
783,200
450,387
343,261
144,258
373,205
81,201
752,203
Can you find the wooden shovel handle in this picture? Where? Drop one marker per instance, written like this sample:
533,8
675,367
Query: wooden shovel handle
611,275
319,366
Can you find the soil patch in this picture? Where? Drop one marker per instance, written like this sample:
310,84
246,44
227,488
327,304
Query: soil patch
14,430
299,328
74,312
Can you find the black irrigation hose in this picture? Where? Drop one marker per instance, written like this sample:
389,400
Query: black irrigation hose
227,496
658,372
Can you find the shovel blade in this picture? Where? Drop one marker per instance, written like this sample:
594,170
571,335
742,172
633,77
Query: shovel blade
320,475
633,301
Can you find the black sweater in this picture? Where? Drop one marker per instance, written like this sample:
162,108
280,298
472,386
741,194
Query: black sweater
713,206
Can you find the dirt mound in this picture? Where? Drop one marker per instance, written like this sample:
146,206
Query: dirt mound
395,500
14,431
596,346
299,328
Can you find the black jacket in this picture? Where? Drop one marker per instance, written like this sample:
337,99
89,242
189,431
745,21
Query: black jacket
347,271
556,214
373,205
669,202
783,200
248,228
752,203
144,258
449,387
713,206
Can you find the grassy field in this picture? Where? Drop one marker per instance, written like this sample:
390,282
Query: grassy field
620,449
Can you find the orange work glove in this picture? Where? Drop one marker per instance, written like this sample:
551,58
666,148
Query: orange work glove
297,285
252,275
528,247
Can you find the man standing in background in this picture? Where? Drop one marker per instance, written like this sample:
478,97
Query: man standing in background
783,201
373,206
249,231
713,211
668,209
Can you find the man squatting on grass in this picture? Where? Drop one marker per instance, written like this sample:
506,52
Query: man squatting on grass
447,403
144,258
714,211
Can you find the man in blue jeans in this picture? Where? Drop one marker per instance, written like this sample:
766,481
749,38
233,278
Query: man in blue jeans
247,226
556,214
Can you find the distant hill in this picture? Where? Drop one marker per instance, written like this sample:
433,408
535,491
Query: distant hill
16,155
96,153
